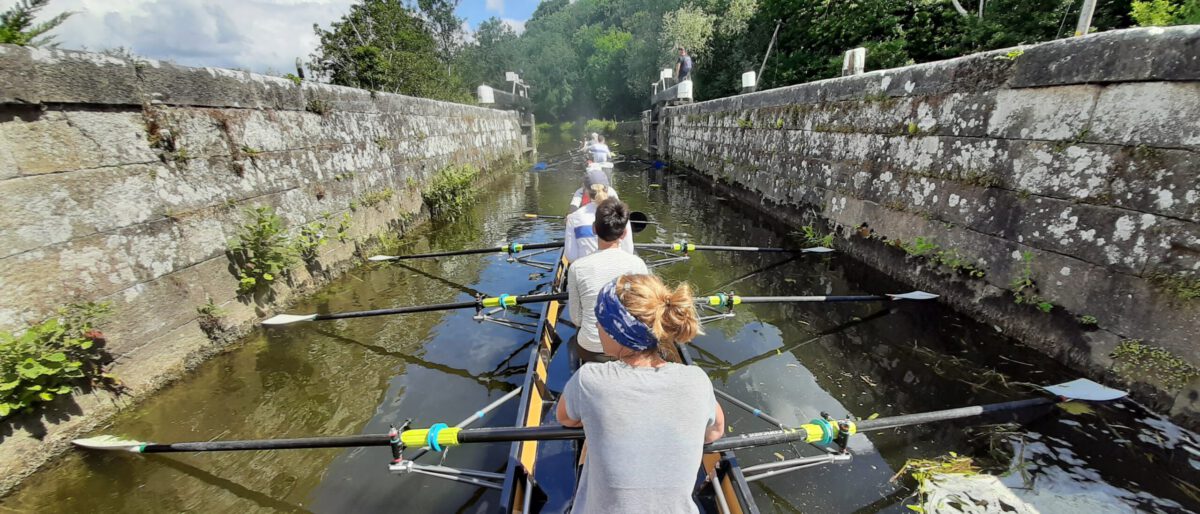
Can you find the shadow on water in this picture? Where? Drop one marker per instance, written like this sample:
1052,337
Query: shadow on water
793,361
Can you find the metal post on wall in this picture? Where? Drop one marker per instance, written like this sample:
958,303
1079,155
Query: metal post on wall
1085,18
854,62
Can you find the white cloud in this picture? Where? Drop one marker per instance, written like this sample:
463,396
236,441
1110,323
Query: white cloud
518,26
496,6
259,35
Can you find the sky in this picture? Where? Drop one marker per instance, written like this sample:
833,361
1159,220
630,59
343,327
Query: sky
258,35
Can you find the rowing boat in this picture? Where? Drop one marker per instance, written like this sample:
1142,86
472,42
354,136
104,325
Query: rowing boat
537,402
537,477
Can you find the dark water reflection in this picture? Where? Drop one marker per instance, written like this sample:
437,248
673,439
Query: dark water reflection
793,361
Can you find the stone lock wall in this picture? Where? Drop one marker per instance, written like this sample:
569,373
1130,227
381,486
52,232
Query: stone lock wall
123,180
1082,154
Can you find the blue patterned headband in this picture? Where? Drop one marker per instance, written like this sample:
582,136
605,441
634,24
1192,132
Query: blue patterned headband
624,328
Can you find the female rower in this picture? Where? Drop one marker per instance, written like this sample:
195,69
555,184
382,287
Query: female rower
646,418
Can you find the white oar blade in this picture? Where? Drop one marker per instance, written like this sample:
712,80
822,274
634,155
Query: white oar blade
381,258
109,442
915,295
817,249
285,319
1084,389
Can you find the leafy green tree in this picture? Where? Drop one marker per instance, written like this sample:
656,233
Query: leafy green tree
17,26
445,27
688,27
384,46
484,60
1157,13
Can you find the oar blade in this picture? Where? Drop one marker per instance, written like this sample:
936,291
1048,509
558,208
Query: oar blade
1084,389
287,319
382,258
109,442
638,220
817,249
914,295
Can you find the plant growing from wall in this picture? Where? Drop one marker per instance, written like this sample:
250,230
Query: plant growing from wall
812,238
343,228
451,191
1024,288
374,198
49,358
210,316
310,240
261,250
318,107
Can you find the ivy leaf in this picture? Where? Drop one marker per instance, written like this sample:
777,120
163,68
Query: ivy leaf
56,357
5,409
9,386
46,396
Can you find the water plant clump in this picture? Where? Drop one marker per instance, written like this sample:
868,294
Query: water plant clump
49,359
261,250
1135,360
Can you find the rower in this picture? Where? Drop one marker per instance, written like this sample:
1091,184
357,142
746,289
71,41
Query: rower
645,419
580,237
590,273
594,174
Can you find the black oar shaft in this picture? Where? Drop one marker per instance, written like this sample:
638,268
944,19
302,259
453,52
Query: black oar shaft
948,414
350,441
550,433
800,434
792,299
496,249
535,298
715,248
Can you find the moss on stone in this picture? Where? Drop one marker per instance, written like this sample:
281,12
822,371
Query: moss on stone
1181,286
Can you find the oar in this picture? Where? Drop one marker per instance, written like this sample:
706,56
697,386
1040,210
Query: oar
508,248
686,247
821,431
677,247
720,300
638,219
728,300
508,301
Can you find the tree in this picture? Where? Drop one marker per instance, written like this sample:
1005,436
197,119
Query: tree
688,27
382,45
484,60
1157,13
17,27
445,26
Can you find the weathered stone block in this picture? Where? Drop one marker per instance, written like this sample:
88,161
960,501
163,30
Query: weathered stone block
1056,114
1147,54
1153,114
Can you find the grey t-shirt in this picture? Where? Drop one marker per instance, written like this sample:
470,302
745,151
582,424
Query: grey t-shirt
645,435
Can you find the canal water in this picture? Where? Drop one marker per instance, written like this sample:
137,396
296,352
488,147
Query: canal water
793,361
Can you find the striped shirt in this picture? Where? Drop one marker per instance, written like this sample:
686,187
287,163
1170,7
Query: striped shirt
580,239
585,278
